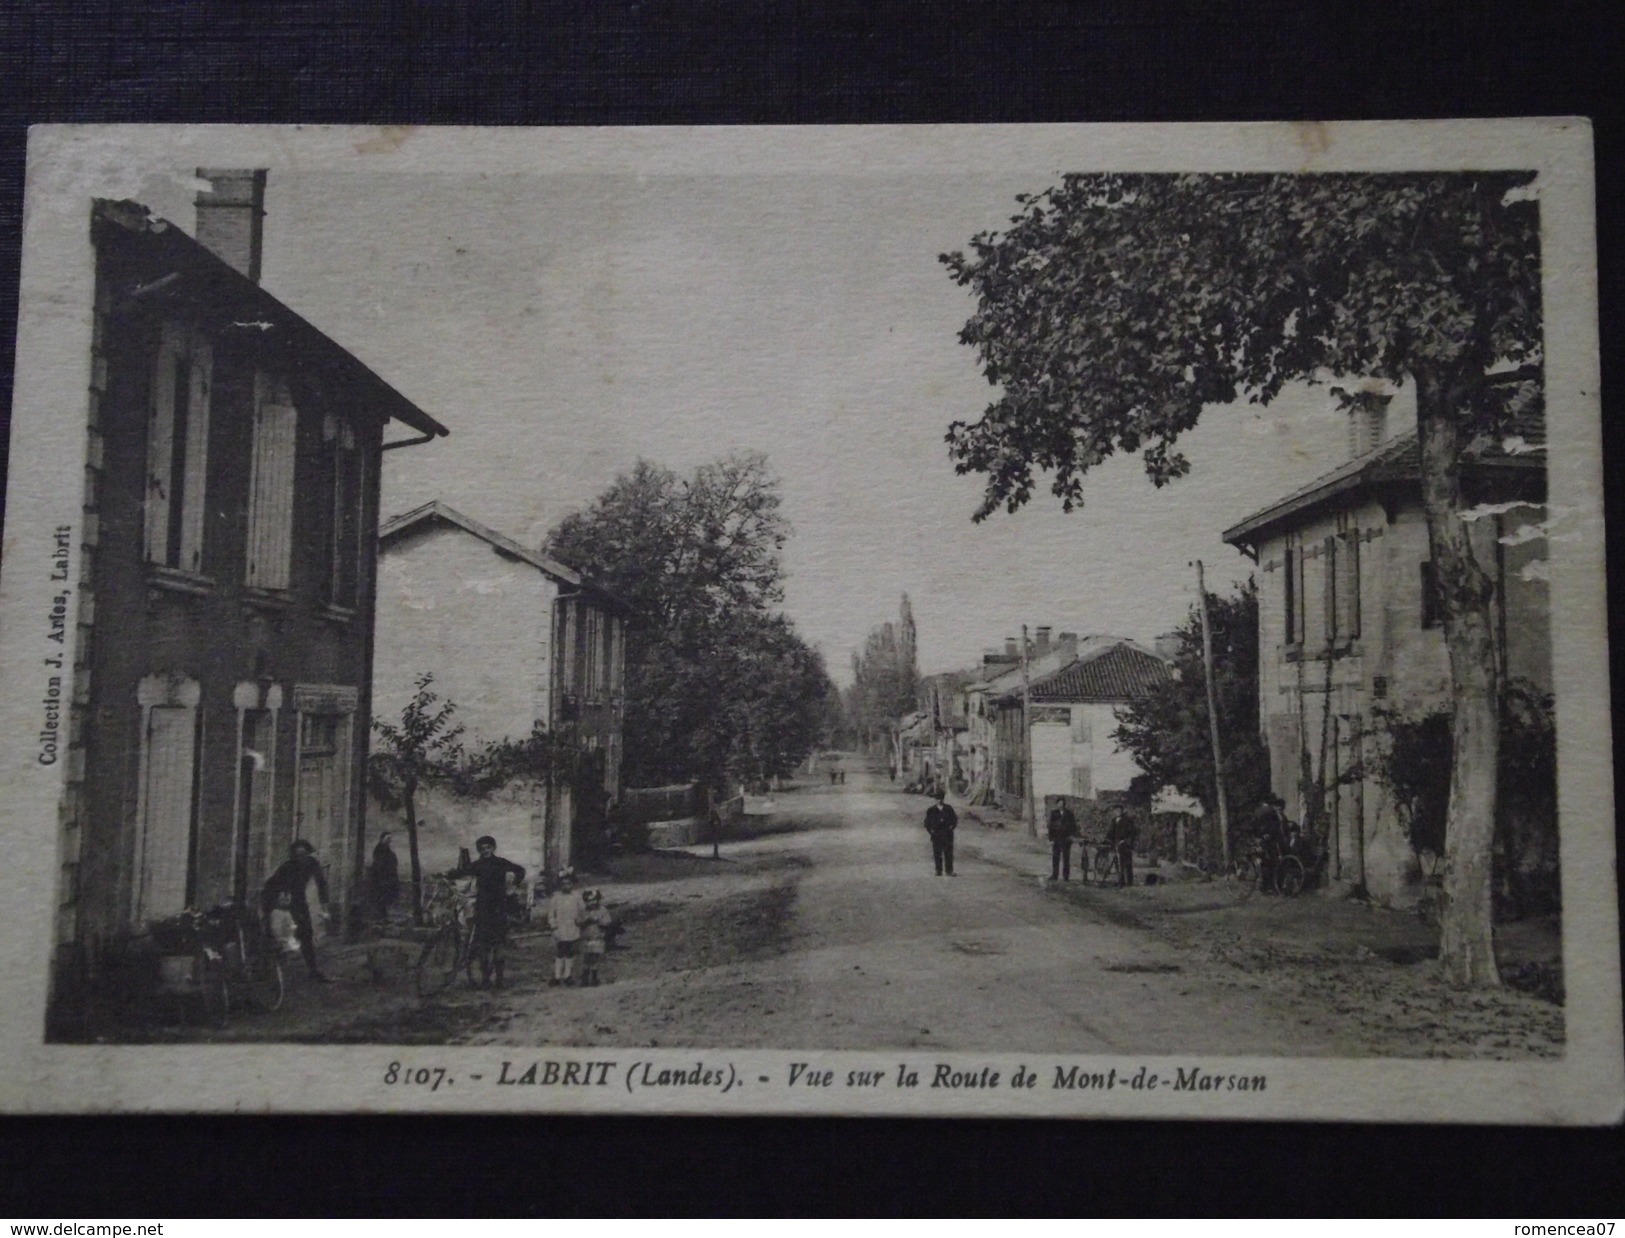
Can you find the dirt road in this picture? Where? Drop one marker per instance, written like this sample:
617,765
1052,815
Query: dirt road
835,933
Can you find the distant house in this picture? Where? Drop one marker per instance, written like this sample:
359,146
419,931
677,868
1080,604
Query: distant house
514,638
1350,626
1073,715
225,602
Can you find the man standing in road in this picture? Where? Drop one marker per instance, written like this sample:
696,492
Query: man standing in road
940,822
1269,823
1063,828
1121,837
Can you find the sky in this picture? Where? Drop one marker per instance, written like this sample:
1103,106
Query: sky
563,325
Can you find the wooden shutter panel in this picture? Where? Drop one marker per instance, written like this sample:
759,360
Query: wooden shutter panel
1329,585
197,455
160,431
171,743
1348,589
270,530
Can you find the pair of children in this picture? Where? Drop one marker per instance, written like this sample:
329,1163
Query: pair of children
577,918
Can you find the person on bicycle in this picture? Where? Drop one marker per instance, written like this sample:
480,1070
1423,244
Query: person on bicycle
490,872
1063,828
1269,823
286,888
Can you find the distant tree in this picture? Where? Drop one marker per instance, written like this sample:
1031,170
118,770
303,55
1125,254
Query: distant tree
885,677
1116,308
422,749
698,560
1166,730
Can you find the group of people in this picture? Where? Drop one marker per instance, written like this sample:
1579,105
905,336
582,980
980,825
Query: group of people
578,920
1062,827
941,821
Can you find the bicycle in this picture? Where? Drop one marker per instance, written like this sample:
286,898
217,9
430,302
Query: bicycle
450,909
248,962
1299,867
1108,863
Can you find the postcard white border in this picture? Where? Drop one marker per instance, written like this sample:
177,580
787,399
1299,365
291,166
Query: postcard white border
68,166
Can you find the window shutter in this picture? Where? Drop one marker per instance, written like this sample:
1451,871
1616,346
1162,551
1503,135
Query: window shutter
1081,731
1082,784
197,452
167,825
160,433
270,520
1329,582
1348,588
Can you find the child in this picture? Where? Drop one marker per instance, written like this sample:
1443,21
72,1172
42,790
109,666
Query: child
594,936
565,913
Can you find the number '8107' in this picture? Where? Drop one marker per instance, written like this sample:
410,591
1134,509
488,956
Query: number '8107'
430,1077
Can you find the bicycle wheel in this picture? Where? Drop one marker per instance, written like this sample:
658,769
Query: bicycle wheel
1244,868
213,989
437,963
1105,862
1289,875
265,984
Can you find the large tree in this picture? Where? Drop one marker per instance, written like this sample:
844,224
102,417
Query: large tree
709,658
1167,729
1116,308
885,677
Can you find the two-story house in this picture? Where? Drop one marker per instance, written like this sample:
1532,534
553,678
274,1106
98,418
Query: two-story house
513,638
224,611
1350,627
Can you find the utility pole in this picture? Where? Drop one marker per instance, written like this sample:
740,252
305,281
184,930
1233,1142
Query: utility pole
1213,718
1027,736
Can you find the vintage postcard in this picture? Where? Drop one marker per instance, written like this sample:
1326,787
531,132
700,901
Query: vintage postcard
1009,620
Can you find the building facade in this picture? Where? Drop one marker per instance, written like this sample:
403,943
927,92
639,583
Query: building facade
515,639
224,617
1350,632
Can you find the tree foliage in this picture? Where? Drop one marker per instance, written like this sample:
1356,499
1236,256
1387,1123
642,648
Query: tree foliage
1116,308
718,683
1166,730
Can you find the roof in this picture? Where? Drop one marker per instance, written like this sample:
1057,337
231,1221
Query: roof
174,269
436,511
1396,461
1119,673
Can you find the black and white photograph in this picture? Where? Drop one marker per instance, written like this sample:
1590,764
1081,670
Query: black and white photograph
1047,620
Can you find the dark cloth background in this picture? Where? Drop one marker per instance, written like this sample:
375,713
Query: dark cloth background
573,62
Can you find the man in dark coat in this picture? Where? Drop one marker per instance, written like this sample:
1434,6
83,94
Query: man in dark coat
287,886
1121,836
1063,828
940,822
383,879
490,872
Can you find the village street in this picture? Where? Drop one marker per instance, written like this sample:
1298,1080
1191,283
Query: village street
833,932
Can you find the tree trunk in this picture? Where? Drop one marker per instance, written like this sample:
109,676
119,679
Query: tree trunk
410,798
1466,595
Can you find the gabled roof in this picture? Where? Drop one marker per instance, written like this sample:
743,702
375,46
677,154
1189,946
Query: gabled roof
1115,675
436,511
171,268
1396,461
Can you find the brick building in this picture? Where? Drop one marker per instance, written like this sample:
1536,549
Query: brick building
225,605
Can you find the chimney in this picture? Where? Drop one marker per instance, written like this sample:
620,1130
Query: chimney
230,216
1067,643
1011,648
1368,423
1042,635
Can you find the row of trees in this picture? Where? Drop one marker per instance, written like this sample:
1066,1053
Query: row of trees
719,685
1116,309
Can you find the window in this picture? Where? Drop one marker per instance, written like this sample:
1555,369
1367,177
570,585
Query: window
1294,593
167,797
177,449
1432,603
345,479
270,487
